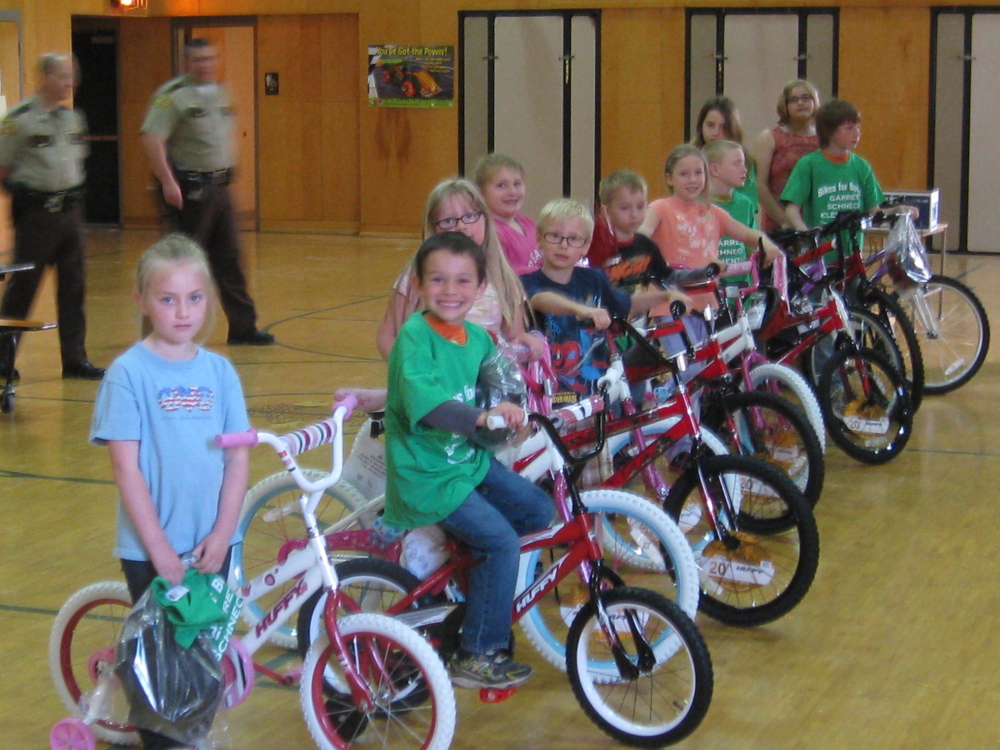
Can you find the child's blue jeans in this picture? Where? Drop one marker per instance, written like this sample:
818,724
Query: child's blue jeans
490,520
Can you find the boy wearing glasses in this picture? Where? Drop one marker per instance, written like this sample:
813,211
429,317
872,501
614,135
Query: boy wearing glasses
570,299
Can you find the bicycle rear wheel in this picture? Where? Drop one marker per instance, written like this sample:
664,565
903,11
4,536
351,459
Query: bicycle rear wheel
866,406
82,649
758,559
648,685
372,585
953,331
790,385
396,664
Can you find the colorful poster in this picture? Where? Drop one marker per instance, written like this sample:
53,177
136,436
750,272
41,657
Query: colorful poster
411,76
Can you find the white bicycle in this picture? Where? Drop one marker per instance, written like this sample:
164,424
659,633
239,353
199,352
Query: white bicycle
366,679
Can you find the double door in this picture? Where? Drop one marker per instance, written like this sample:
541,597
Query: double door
530,89
749,55
965,111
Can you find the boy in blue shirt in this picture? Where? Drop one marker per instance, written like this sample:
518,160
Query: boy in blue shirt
571,299
436,474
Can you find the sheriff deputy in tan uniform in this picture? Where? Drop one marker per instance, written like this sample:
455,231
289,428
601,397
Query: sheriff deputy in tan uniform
188,137
42,150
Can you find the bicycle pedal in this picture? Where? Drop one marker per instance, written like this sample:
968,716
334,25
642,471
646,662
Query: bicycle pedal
496,695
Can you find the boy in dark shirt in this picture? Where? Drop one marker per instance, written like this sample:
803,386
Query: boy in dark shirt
571,299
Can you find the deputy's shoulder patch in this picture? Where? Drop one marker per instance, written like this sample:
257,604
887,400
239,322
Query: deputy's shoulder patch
163,101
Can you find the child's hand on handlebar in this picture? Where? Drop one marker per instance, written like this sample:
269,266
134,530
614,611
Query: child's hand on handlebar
674,295
771,251
600,317
513,415
534,345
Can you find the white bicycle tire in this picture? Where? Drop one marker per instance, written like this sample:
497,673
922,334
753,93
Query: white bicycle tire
800,387
438,682
254,501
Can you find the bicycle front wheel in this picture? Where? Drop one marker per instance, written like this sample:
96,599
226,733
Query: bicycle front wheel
953,331
641,544
753,534
649,682
866,406
790,385
397,665
82,649
766,426
272,518
897,321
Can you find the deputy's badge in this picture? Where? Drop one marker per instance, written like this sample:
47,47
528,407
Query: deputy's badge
8,127
162,101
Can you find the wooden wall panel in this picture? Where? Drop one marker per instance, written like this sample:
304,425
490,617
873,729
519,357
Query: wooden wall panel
642,90
145,62
308,133
885,72
341,184
404,152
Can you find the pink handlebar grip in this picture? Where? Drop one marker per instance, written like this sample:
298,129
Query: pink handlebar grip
738,269
236,439
367,399
348,402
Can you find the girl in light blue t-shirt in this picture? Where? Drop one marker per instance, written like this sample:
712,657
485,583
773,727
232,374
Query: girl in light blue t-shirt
161,404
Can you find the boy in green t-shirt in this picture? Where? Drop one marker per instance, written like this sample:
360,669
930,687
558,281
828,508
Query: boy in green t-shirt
436,474
834,178
727,172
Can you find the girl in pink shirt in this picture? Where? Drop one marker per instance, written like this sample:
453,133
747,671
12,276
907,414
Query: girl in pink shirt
501,181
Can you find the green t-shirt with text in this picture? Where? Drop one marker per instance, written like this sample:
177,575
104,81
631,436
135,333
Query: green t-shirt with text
742,209
430,472
822,188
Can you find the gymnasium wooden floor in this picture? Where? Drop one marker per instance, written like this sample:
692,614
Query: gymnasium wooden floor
894,646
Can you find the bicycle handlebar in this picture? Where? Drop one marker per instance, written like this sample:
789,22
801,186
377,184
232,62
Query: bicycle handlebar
300,440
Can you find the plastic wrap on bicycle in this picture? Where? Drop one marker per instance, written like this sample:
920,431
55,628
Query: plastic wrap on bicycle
310,437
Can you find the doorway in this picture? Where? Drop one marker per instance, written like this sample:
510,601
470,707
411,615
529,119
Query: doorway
95,45
235,41
11,88
748,55
530,89
965,68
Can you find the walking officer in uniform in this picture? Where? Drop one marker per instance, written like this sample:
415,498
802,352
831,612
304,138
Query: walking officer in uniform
188,137
42,151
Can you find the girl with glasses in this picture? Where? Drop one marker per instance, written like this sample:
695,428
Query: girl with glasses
456,205
779,148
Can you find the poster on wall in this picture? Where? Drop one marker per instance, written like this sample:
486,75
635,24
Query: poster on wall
411,76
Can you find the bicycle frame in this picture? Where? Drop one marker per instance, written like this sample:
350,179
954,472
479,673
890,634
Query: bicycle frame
578,533
311,564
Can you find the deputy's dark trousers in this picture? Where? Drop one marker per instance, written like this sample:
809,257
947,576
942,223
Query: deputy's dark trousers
47,239
208,218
